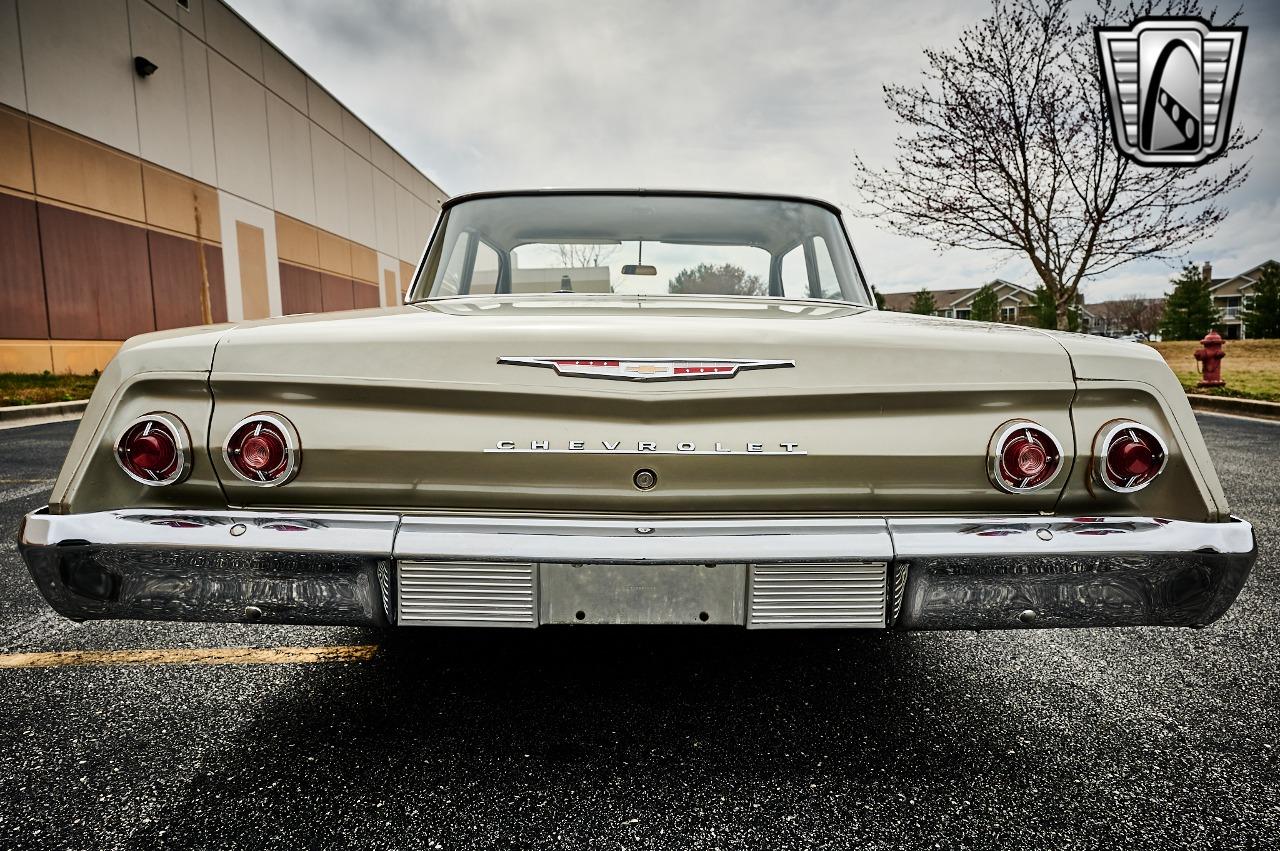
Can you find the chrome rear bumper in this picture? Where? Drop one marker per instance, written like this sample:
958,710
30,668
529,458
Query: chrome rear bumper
378,569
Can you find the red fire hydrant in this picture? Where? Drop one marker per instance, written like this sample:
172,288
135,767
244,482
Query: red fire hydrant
1209,357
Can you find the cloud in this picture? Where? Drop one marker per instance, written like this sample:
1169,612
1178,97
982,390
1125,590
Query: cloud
720,94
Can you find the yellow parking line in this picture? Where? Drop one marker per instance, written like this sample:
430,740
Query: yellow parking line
193,656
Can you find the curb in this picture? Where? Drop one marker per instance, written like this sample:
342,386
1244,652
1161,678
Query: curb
1231,405
19,415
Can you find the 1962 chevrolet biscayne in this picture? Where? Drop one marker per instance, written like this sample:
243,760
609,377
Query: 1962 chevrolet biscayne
638,407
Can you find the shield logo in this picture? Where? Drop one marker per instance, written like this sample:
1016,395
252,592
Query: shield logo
1170,85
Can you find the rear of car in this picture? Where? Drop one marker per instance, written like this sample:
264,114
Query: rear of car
621,408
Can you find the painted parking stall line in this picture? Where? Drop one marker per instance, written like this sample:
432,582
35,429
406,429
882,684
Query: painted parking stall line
193,656
14,489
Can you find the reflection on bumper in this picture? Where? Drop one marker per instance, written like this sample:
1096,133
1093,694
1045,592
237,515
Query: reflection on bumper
211,566
910,573
1069,572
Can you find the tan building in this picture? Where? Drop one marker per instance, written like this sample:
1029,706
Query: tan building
161,164
1015,301
1231,296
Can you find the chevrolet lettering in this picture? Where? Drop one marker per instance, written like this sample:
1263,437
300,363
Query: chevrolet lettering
649,407
649,447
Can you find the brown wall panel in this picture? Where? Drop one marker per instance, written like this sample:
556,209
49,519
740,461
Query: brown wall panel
364,264
82,358
85,173
210,218
335,292
97,276
390,288
172,199
406,277
15,152
365,295
217,284
22,312
300,289
296,241
25,356
176,281
252,248
335,253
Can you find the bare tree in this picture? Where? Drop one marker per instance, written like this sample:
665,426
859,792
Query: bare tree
584,255
1151,317
1141,314
1131,313
1006,147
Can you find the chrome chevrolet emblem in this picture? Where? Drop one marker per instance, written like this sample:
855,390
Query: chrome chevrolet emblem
1170,86
645,447
646,369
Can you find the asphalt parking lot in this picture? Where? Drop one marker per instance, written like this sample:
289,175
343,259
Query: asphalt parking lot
1133,738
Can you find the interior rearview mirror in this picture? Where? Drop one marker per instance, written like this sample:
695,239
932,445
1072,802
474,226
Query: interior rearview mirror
632,269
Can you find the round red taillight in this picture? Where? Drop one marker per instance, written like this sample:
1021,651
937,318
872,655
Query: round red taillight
1128,456
263,450
1023,456
154,450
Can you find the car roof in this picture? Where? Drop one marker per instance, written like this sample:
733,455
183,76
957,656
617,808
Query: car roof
687,193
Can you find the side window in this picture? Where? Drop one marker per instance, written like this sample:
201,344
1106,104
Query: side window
828,283
451,280
795,275
484,274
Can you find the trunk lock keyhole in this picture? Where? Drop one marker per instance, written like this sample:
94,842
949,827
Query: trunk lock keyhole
645,479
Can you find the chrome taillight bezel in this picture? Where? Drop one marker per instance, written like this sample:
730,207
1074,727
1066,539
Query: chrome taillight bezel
995,450
181,442
1102,444
292,449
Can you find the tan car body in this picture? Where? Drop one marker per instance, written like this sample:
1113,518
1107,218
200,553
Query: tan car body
443,475
396,407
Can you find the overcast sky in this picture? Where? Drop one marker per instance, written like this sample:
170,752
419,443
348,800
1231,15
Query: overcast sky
736,94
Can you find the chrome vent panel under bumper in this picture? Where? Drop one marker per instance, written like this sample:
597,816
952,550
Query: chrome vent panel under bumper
816,595
466,594
793,596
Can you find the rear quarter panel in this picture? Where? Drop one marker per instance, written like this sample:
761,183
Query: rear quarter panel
168,371
1120,379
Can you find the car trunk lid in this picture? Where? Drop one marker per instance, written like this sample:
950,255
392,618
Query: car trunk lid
411,408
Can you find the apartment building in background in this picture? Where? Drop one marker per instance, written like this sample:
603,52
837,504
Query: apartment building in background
162,164
1016,304
1015,301
1231,296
